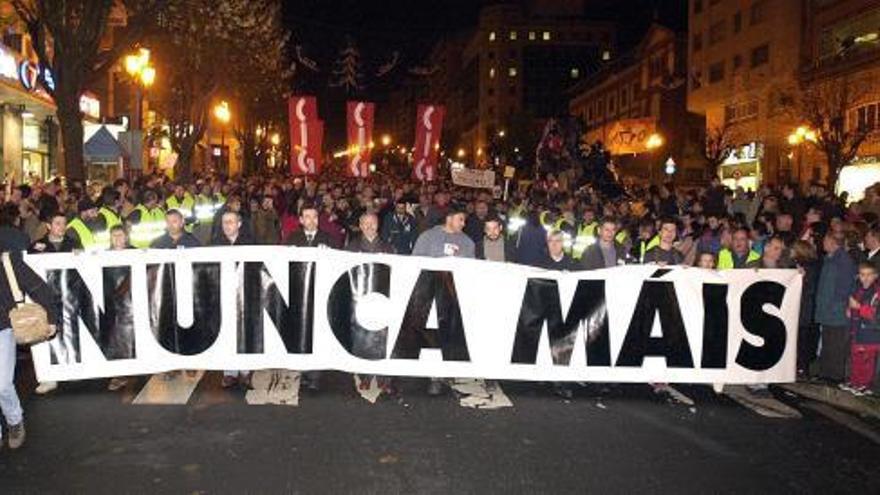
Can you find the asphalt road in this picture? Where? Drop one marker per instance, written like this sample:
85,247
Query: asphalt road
83,439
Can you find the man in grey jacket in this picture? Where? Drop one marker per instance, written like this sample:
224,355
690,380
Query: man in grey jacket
445,240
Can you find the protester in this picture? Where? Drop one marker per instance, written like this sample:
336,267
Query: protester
399,228
805,259
445,240
232,235
832,296
34,287
607,252
119,242
492,245
863,313
665,253
557,259
175,235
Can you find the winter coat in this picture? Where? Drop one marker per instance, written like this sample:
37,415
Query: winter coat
836,280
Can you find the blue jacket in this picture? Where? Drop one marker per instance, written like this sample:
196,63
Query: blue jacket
836,282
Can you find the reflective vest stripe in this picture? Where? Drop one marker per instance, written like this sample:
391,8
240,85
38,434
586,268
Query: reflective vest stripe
86,238
725,258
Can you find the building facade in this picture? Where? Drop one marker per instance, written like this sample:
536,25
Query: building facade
519,61
742,55
636,106
842,47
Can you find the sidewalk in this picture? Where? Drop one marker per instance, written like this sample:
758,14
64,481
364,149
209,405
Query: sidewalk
862,405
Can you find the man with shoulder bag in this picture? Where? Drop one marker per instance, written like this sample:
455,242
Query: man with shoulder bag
22,323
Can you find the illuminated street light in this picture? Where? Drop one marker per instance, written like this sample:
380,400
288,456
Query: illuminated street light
654,141
222,113
461,153
386,140
501,133
148,76
276,139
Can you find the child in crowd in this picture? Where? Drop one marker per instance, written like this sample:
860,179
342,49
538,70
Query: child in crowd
706,260
863,306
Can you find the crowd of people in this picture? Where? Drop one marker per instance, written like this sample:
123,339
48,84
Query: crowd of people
553,223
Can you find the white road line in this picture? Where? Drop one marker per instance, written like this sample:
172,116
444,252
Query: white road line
280,387
165,388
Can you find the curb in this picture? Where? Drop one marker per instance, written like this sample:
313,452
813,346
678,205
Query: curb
866,406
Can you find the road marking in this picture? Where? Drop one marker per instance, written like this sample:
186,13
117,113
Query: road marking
477,393
280,387
169,388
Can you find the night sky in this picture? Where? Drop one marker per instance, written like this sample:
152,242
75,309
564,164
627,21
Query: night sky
378,28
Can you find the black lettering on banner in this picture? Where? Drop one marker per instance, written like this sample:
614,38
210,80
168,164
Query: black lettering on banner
112,328
656,297
294,319
714,326
437,287
757,322
207,315
541,303
342,304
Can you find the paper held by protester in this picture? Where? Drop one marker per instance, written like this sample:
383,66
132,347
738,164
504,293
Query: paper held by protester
472,177
248,308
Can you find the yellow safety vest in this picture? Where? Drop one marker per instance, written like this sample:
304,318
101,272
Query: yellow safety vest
86,237
646,246
185,207
151,226
725,258
111,219
586,235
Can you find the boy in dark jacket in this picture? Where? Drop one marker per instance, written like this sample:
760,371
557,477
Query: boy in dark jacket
863,306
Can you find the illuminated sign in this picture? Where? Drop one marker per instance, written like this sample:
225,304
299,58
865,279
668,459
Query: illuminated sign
8,65
28,74
745,154
90,106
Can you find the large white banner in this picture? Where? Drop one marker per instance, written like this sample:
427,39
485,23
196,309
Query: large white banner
138,312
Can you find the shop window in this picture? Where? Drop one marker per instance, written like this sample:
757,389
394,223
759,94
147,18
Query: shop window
492,36
716,72
546,36
513,35
697,42
760,55
533,36
866,117
511,72
717,32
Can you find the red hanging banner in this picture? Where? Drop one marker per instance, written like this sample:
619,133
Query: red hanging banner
429,125
360,137
306,134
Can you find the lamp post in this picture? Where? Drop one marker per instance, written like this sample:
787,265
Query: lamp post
143,75
797,138
654,142
223,116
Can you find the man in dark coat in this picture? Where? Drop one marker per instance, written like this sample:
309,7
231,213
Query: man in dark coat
606,252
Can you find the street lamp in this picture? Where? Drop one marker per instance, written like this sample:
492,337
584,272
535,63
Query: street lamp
223,115
386,140
797,138
461,153
138,67
654,142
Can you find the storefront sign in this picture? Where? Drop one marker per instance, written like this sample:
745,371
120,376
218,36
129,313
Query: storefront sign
746,153
29,73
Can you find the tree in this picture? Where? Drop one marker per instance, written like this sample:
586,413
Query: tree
233,48
69,39
719,143
259,81
823,106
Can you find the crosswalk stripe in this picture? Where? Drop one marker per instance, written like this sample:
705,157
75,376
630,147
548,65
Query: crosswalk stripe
169,388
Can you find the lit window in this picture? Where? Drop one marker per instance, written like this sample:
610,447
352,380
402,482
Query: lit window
606,55
511,72
492,73
533,36
492,36
513,36
575,73
546,36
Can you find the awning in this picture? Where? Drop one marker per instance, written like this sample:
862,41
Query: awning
102,148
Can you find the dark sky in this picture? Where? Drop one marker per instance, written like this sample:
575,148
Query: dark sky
378,28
